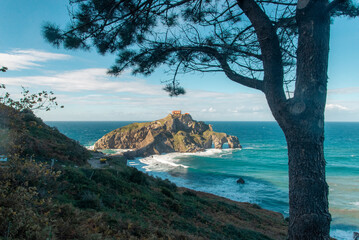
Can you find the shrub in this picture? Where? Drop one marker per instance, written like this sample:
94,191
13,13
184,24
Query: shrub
167,192
167,184
189,193
24,212
90,200
137,177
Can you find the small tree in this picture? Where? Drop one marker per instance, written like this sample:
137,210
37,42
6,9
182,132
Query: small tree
31,101
12,112
279,47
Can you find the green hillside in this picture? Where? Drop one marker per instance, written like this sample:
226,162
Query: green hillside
25,134
120,202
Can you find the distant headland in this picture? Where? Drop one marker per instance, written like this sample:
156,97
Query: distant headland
176,132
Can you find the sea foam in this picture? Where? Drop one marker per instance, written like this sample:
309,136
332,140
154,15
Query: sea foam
170,161
166,162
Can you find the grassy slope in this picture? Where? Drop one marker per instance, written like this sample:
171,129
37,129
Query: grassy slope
122,203
130,127
40,202
24,134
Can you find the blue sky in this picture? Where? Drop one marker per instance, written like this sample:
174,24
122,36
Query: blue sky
79,78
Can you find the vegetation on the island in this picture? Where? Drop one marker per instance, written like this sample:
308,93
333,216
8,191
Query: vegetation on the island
207,134
138,125
179,141
131,127
173,133
41,201
280,48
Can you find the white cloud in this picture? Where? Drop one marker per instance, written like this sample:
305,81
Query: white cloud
336,107
211,110
123,106
25,59
92,79
353,90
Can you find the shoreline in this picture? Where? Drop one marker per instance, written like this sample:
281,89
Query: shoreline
339,231
265,150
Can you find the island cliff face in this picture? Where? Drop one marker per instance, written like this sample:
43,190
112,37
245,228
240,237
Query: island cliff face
174,133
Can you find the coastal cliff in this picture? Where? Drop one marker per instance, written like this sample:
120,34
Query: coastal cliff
174,133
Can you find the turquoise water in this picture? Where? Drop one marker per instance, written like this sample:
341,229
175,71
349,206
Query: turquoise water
262,163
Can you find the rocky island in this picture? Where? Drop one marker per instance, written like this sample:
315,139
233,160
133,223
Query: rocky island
175,133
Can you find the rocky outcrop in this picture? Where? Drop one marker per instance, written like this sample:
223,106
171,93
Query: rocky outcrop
174,133
241,181
233,142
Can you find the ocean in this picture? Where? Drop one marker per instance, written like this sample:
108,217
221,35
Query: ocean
262,163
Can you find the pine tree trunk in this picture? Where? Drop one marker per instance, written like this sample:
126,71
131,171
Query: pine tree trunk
308,190
302,121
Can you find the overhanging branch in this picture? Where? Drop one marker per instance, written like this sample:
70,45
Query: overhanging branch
246,81
334,4
270,49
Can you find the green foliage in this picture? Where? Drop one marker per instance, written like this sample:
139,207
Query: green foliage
346,8
138,177
30,101
25,199
174,89
203,36
166,184
189,193
207,134
24,134
178,141
167,192
132,126
39,202
89,200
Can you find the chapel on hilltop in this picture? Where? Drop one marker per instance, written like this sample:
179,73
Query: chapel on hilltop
178,112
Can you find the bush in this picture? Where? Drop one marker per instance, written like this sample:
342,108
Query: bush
189,193
90,200
24,212
167,192
167,184
138,177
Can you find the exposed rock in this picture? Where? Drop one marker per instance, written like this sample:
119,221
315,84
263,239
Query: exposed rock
219,139
233,142
174,133
355,236
241,181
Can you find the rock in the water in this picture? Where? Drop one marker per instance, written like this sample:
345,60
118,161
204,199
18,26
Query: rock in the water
241,181
174,133
233,142
356,236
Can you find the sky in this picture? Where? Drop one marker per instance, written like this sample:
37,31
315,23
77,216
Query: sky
79,80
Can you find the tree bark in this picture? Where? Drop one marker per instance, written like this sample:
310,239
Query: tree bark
301,117
302,121
308,190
